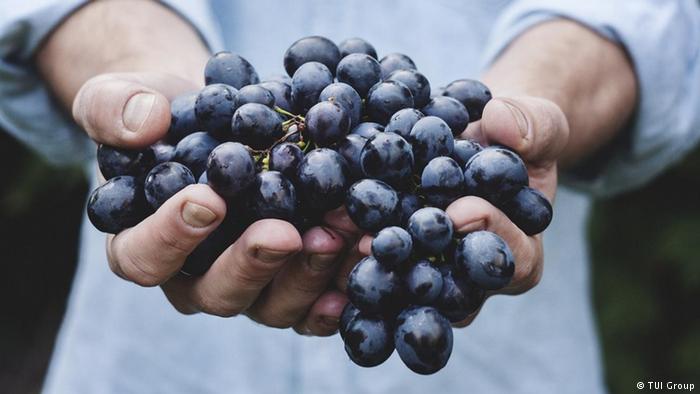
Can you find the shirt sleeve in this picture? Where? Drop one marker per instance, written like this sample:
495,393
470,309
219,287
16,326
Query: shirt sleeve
27,109
662,39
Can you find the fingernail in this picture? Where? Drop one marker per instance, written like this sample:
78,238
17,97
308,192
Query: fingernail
473,226
197,216
330,321
137,109
518,116
321,262
270,255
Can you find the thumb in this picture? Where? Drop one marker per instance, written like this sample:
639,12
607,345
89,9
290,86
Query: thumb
128,110
536,128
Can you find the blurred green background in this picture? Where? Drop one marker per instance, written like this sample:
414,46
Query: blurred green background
646,270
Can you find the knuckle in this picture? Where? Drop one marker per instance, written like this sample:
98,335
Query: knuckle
171,241
136,269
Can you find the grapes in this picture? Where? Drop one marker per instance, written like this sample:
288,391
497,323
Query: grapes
403,121
359,71
416,82
164,181
372,204
373,289
423,339
430,229
193,151
472,94
214,108
323,178
356,45
430,137
116,205
385,98
442,181
327,123
345,96
395,61
256,125
307,83
285,158
296,146
495,174
311,49
387,157
230,169
392,246
485,260
230,69
449,110
256,94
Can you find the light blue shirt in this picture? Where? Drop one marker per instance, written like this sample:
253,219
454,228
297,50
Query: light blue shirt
119,338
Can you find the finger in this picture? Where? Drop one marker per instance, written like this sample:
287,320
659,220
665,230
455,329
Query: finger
127,110
324,315
300,282
155,249
473,213
535,128
238,276
339,220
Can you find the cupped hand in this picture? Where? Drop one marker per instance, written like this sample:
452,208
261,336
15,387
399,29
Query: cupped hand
271,273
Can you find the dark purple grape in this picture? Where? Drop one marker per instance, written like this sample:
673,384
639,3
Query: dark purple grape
214,109
371,204
369,341
359,71
203,179
403,121
349,313
256,94
164,181
117,205
465,150
206,253
323,178
311,49
458,298
495,174
282,93
350,148
356,45
385,98
307,83
449,110
395,61
485,260
285,158
117,161
367,129
283,78
529,209
388,157
183,120
193,151
374,289
471,93
345,96
442,182
416,82
423,283
256,125
408,204
423,339
162,152
230,169
392,246
431,230
326,123
274,196
230,69
430,137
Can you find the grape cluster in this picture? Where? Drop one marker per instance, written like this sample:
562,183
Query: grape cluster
342,129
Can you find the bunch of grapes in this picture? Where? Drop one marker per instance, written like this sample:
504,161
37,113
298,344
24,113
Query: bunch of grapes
343,128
